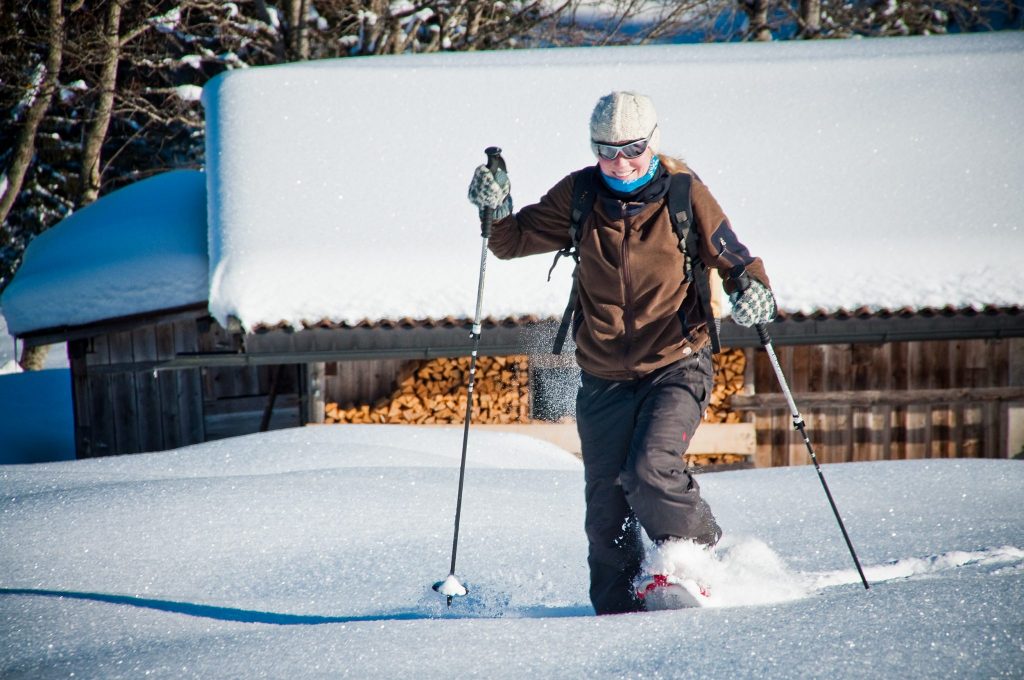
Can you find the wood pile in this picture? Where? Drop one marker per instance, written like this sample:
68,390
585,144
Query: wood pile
434,392
702,460
730,365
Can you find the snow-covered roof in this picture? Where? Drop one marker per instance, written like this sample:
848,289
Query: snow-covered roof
882,173
878,174
139,249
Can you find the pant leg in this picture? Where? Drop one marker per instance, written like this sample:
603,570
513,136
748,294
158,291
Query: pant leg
660,490
604,417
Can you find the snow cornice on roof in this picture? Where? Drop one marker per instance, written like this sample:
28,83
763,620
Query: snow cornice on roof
879,173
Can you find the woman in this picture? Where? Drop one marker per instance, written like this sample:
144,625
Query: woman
641,337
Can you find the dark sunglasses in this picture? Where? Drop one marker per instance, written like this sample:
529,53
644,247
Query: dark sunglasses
609,152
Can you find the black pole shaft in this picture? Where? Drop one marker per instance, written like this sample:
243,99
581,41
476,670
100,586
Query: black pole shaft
799,425
469,399
494,162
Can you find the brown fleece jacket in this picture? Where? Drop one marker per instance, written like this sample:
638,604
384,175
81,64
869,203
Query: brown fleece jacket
635,312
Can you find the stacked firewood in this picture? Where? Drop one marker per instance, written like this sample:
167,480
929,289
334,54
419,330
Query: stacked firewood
729,367
434,392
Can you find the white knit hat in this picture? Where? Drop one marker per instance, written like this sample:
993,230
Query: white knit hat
623,117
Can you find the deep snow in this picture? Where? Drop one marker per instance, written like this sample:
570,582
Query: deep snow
310,553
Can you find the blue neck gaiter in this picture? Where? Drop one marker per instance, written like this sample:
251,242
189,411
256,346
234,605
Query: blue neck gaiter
627,187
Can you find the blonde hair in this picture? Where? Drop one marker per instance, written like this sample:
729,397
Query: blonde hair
674,165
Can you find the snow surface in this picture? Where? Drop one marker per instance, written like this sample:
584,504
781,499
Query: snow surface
311,553
37,421
865,172
138,249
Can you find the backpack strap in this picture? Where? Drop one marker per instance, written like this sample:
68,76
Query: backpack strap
583,196
695,271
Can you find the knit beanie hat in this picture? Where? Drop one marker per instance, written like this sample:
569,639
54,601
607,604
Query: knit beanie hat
624,117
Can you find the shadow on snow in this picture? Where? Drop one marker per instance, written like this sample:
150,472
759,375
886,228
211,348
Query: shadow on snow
237,615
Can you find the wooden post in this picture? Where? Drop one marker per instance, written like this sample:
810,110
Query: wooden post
77,351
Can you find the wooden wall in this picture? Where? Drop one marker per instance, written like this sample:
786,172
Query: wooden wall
898,400
119,409
860,401
131,412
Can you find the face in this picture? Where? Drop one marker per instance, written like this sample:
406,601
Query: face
627,169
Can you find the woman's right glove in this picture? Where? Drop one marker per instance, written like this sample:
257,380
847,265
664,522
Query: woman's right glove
488,190
753,306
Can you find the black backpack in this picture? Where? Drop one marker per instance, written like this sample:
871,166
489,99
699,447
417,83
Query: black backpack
681,214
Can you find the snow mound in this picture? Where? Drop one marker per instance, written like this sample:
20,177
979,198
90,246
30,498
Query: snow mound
1007,556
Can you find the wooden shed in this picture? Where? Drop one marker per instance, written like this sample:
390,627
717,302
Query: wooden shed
871,386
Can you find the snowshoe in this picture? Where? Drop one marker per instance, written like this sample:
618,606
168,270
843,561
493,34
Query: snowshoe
659,592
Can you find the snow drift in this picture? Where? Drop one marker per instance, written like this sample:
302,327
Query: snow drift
311,553
139,249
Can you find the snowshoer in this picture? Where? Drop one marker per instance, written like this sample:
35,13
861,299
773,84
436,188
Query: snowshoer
641,332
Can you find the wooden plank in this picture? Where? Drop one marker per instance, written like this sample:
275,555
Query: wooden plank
898,433
104,438
168,384
868,398
881,414
190,386
897,422
148,406
122,393
899,365
976,359
1015,361
762,423
992,447
316,378
879,419
918,420
863,367
942,432
709,439
956,435
972,432
917,427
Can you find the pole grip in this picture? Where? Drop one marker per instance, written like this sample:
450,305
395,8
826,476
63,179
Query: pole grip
762,334
494,163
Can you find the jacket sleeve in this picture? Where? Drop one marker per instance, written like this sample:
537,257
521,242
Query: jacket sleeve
721,248
539,228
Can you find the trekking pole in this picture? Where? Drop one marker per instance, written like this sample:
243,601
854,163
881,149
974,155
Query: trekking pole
742,283
451,586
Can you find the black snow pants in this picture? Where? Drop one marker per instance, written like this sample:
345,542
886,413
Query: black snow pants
633,436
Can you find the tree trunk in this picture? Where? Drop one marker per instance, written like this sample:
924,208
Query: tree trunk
33,358
25,145
757,13
296,31
97,134
810,18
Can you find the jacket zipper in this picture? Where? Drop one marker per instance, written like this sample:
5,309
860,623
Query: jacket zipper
627,302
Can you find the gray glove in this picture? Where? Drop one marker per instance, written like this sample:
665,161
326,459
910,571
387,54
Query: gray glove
491,191
753,306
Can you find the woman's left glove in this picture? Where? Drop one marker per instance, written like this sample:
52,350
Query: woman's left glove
488,190
754,306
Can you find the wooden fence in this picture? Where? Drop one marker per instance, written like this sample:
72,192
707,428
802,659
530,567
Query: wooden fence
897,400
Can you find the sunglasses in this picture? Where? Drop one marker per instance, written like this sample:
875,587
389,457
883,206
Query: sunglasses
610,152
